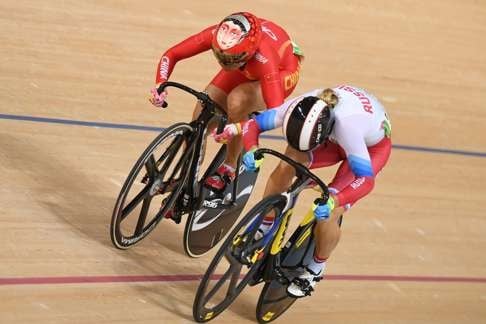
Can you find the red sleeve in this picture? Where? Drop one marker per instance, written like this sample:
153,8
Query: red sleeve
272,91
189,47
251,131
269,76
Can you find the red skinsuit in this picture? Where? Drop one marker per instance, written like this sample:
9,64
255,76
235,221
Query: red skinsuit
274,65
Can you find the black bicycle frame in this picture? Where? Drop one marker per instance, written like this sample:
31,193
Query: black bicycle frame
193,193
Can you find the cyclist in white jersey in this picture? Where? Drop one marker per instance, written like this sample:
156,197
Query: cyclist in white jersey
323,127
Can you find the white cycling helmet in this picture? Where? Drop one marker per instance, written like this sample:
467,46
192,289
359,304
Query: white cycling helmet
307,123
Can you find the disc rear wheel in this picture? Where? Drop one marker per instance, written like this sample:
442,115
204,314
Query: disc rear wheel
274,300
207,226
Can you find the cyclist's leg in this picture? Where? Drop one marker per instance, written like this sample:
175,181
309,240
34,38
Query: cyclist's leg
215,93
326,236
281,177
247,97
219,88
279,181
327,233
325,155
242,100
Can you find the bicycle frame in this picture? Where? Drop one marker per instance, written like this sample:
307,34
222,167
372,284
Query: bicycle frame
261,256
277,232
193,191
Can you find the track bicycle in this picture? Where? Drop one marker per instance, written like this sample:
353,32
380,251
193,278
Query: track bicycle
246,259
165,183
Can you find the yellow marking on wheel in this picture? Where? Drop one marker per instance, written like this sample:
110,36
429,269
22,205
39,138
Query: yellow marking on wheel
208,316
268,316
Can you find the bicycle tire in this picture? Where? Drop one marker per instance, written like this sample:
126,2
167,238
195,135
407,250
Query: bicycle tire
190,248
177,134
207,226
274,293
274,300
253,218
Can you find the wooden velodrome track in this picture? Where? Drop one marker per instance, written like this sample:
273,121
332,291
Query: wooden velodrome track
412,252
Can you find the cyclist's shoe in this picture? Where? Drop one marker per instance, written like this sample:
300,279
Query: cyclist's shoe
169,214
303,285
223,176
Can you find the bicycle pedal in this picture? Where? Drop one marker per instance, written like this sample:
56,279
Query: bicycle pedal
174,216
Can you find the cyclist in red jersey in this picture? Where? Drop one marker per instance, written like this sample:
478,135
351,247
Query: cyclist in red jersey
260,68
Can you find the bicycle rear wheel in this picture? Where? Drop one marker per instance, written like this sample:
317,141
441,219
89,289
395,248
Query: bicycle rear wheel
274,300
160,173
207,226
238,259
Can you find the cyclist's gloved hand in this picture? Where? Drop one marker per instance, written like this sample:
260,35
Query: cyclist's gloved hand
322,210
230,131
250,161
158,99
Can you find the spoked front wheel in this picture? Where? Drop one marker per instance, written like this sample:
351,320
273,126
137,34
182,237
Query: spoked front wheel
236,263
152,186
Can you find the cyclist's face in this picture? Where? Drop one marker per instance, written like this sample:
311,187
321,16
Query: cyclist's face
229,34
232,66
229,61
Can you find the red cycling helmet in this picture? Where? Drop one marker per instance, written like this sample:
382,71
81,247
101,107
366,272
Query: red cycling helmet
236,39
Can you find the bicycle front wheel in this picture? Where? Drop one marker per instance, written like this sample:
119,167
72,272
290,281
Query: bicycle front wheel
152,186
236,263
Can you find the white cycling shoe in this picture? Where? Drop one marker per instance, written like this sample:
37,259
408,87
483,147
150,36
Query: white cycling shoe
304,284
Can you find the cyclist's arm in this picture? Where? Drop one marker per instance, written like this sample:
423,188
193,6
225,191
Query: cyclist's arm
350,136
267,61
268,120
191,46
